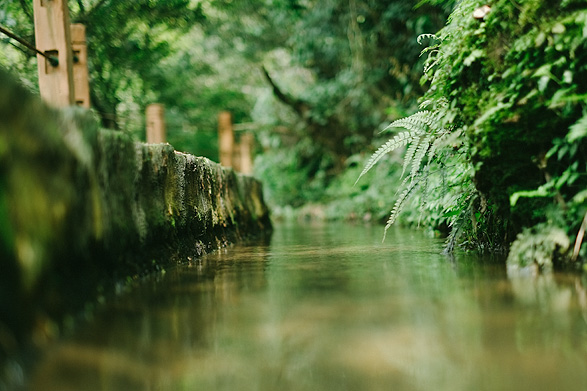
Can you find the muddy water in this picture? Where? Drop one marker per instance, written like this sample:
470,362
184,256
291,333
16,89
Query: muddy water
331,308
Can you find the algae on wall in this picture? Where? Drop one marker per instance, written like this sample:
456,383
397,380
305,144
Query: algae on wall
80,205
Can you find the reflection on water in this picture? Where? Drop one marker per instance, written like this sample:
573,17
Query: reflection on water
331,308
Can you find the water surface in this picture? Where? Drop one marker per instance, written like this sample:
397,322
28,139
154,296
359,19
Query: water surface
330,307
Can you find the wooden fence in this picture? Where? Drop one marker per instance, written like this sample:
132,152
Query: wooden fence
64,81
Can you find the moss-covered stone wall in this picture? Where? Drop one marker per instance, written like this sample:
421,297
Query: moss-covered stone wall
81,206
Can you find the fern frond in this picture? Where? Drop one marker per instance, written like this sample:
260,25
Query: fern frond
424,192
422,37
419,156
398,141
397,207
436,144
426,103
419,122
451,241
409,156
401,186
429,65
433,50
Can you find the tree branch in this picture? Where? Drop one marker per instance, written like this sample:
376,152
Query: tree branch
320,132
11,35
25,52
82,8
26,9
299,106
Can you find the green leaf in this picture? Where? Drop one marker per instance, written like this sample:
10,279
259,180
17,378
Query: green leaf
542,191
471,58
409,156
398,141
578,130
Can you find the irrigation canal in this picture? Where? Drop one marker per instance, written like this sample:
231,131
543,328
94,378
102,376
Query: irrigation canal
329,307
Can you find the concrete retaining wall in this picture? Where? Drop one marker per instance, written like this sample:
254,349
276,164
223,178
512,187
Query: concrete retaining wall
81,206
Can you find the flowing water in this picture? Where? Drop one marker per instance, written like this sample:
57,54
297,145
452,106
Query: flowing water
331,308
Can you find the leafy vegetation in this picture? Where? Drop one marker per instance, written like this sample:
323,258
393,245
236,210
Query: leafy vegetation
509,108
498,146
362,57
356,63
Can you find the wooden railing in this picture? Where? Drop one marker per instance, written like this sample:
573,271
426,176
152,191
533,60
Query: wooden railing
64,81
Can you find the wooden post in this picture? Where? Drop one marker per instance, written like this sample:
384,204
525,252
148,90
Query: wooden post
53,37
246,153
225,138
236,155
80,65
155,123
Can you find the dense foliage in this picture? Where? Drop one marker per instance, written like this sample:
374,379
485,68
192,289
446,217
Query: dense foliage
507,109
126,41
326,89
497,149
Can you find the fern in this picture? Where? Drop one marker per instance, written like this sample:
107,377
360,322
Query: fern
426,103
423,148
424,192
419,122
422,130
421,37
398,141
397,207
430,63
409,156
415,174
416,125
401,186
433,53
433,147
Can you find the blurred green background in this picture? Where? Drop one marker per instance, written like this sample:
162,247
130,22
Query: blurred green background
338,71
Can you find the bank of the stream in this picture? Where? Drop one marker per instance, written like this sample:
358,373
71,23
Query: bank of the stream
496,156
505,119
82,208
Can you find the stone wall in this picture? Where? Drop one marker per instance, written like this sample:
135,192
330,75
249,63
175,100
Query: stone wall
81,207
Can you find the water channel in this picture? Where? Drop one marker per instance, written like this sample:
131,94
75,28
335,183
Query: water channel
330,307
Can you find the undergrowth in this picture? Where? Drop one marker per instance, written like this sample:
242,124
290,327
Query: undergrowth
499,146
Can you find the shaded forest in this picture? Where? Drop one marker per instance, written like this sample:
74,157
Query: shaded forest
317,78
